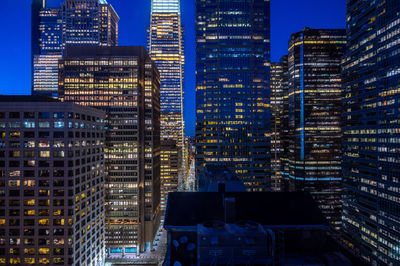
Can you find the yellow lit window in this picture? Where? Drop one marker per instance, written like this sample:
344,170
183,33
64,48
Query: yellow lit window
29,260
44,251
44,222
44,261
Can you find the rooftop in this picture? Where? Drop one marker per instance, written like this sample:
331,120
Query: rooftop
26,98
282,209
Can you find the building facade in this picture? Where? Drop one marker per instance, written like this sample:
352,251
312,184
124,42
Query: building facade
279,89
232,88
124,82
166,49
77,22
170,169
371,143
314,113
52,182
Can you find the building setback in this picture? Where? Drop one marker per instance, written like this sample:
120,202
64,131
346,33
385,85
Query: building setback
232,88
279,89
371,128
77,22
124,82
314,115
52,182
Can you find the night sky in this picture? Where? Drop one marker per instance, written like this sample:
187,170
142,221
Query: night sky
287,16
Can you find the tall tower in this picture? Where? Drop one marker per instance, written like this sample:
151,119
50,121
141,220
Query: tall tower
166,49
279,88
77,22
371,128
314,116
232,88
124,82
165,46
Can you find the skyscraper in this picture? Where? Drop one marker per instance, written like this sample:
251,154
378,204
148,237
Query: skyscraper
371,128
232,88
166,49
124,82
52,182
314,155
279,89
89,22
77,22
47,47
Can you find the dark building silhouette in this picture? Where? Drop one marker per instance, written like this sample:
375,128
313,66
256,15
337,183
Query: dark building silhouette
232,88
217,228
371,142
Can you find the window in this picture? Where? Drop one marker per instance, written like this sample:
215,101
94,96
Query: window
14,115
29,115
44,115
44,154
44,124
29,124
58,115
59,124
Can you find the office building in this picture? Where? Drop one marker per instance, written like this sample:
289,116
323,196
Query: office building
76,22
124,82
314,113
279,130
170,169
47,46
232,88
371,142
238,232
89,22
166,49
52,182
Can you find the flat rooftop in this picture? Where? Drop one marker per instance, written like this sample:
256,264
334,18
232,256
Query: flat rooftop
266,208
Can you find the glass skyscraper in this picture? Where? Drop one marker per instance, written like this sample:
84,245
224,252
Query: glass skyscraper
371,130
314,117
166,49
232,88
77,22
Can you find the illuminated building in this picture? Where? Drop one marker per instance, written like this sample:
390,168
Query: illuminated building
52,182
170,169
47,46
279,89
232,88
124,83
165,46
89,22
314,113
77,22
371,131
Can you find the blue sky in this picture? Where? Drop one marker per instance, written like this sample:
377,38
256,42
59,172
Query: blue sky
287,17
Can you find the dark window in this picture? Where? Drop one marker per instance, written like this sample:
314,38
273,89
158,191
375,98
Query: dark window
44,115
14,115
29,115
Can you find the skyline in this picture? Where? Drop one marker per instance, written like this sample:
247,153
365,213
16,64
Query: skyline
284,21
